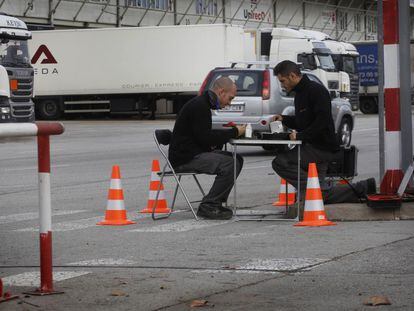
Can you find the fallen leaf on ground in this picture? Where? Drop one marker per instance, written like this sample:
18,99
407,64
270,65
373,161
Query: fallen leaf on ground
198,303
377,301
117,293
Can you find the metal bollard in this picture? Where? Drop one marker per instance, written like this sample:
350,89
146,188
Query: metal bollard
42,131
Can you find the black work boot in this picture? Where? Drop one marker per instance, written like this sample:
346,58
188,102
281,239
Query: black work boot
214,212
367,186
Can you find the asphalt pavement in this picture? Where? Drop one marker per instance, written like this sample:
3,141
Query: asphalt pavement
169,264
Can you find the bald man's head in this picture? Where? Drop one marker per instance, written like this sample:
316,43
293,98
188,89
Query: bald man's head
225,90
222,83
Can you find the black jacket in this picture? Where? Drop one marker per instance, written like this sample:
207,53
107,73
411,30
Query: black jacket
313,115
192,132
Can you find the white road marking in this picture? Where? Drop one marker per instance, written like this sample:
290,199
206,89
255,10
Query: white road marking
182,226
234,271
283,264
29,216
255,167
267,266
104,262
245,235
81,223
33,278
24,168
366,130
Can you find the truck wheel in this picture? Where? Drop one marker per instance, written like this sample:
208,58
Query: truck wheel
344,133
49,109
368,105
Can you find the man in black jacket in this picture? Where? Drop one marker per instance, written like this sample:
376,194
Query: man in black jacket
193,143
314,126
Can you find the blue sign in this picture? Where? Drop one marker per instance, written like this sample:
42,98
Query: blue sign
367,63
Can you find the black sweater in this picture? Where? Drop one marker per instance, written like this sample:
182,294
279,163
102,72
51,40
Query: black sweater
313,115
192,132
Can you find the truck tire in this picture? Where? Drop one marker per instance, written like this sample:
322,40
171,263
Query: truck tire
368,105
49,109
344,133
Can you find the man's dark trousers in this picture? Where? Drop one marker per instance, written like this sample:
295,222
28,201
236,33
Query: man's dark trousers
220,163
286,166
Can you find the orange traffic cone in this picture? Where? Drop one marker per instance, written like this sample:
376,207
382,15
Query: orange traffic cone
115,214
161,206
314,213
285,197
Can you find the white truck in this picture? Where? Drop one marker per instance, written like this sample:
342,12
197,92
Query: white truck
314,55
124,70
15,61
368,74
344,56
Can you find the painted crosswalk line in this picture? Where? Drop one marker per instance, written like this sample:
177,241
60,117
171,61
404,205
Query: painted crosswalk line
104,262
268,266
282,264
182,226
30,216
33,278
79,224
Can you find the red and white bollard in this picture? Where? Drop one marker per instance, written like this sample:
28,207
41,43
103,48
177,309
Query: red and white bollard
393,172
42,131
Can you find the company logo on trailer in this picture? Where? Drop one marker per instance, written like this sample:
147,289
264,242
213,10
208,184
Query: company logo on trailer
48,59
43,50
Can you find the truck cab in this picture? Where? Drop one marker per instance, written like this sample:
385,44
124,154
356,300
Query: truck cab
344,56
314,55
4,96
14,57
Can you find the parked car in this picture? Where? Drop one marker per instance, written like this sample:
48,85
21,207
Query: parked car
259,97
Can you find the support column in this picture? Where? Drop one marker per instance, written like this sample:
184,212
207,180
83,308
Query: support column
393,172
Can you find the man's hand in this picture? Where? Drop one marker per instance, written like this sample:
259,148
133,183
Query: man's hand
292,135
277,117
241,129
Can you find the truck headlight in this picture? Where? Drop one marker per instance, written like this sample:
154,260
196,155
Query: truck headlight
5,110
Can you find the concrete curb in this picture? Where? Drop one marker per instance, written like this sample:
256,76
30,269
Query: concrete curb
361,212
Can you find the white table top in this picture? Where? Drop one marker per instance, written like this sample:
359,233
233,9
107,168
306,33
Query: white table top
252,142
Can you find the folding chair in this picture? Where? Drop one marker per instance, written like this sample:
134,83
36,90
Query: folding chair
162,140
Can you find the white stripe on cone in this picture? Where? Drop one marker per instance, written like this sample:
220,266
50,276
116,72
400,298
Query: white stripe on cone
115,205
153,194
115,184
154,176
313,183
313,205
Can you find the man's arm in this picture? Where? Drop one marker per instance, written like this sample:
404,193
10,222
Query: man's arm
205,136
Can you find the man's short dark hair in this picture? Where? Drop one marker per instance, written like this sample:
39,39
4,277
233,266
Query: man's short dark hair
286,67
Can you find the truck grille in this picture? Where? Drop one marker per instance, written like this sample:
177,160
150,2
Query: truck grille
21,99
25,90
22,110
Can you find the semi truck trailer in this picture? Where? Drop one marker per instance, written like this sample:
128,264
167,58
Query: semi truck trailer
125,70
367,64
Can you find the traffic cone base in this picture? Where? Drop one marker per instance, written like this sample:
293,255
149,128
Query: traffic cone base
315,219
115,218
314,212
285,198
115,214
155,184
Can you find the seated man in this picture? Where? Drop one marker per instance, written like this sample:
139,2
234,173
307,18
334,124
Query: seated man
314,126
193,141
